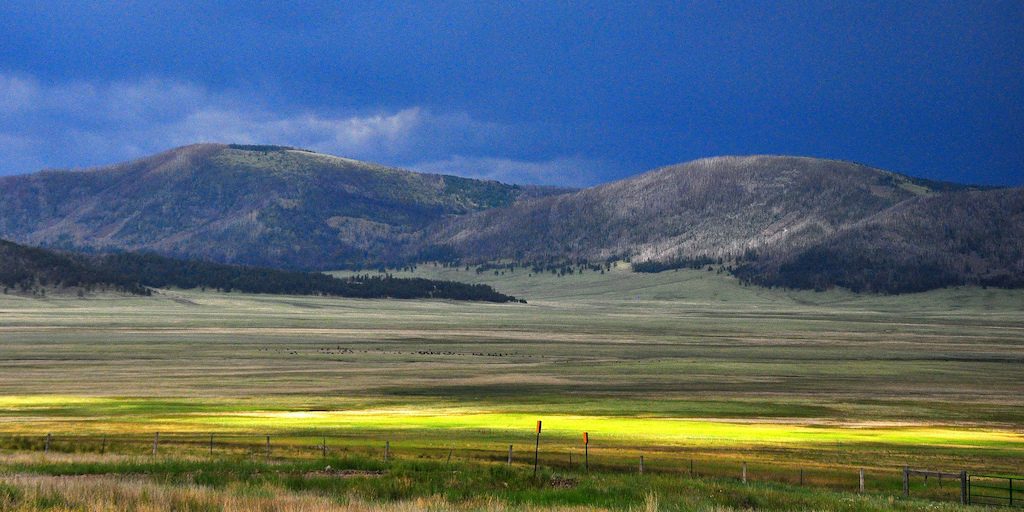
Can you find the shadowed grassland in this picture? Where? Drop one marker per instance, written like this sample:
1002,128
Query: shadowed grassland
676,366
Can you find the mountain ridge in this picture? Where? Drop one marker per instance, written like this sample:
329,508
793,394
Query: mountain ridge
759,188
280,207
763,217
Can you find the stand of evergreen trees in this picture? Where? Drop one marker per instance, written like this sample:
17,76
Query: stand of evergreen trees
651,266
27,268
160,272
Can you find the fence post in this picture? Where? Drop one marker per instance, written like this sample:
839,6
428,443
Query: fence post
906,481
103,446
641,464
744,472
801,476
387,450
156,442
861,479
509,455
965,498
46,447
211,443
1011,491
268,448
323,448
691,468
536,450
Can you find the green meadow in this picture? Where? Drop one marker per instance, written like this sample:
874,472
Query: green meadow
676,366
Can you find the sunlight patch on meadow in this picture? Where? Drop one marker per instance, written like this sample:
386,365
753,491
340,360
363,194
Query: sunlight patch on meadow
616,429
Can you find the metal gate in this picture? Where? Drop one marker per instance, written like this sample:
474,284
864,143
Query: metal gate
995,490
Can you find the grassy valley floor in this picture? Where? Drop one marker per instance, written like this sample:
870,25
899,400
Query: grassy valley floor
676,366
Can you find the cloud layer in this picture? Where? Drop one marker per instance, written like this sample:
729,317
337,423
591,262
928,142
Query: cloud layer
83,124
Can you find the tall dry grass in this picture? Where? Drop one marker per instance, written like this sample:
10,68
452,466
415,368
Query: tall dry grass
109,493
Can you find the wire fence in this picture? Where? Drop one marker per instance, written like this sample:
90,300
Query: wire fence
768,466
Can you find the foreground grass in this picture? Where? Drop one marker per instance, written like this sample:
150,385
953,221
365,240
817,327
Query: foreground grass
352,483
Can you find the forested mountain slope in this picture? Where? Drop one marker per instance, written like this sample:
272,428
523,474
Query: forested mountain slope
262,205
773,220
720,207
970,237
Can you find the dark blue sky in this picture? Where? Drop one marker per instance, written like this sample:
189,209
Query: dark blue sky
542,92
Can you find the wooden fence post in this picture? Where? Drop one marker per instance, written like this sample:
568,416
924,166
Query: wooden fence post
156,442
536,450
744,472
211,443
1011,489
268,448
323,448
862,480
641,464
103,446
586,451
46,447
509,455
906,481
691,468
965,498
387,450
801,476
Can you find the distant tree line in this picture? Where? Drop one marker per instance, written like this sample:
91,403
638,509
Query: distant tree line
554,266
263,148
653,266
27,268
